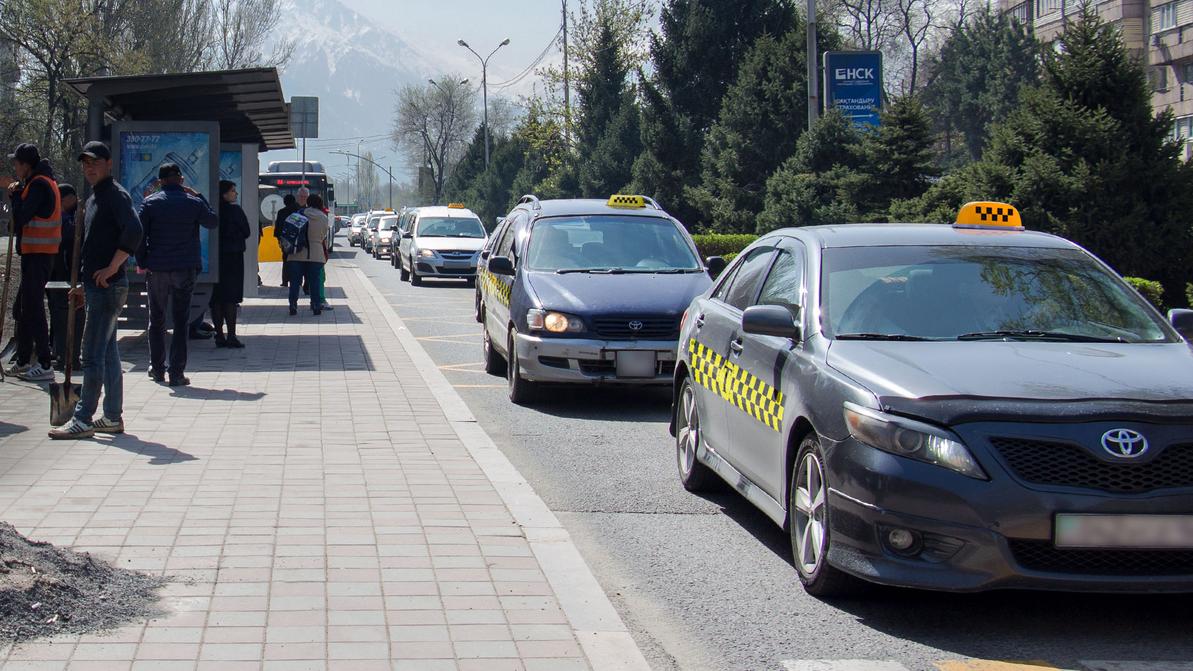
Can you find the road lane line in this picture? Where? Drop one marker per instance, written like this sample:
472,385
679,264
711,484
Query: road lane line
993,665
841,665
603,636
1100,665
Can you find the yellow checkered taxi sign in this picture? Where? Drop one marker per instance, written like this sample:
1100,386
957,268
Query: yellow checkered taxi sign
989,215
627,202
738,386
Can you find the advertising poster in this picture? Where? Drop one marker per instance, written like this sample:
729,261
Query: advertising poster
143,152
853,84
231,167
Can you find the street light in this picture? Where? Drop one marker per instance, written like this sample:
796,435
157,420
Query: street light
484,86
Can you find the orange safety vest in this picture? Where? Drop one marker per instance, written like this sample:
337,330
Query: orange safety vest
42,235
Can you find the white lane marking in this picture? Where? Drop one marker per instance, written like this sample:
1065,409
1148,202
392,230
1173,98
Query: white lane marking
841,665
1101,665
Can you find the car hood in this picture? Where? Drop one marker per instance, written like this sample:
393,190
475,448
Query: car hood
450,244
1010,374
631,293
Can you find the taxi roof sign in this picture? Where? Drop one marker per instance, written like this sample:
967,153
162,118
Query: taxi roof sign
455,206
989,214
630,202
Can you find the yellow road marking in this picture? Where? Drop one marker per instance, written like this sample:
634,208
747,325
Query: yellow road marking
991,665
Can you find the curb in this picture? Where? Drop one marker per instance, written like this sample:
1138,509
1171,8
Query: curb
604,638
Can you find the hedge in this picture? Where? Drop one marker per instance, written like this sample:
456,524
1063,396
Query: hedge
722,244
1153,291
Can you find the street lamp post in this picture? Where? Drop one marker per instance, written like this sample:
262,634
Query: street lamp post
388,171
484,87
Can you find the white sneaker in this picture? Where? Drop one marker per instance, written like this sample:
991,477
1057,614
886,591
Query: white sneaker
72,430
105,425
36,373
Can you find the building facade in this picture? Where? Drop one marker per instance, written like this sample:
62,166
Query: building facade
1159,33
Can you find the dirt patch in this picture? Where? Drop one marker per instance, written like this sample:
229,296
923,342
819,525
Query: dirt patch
47,590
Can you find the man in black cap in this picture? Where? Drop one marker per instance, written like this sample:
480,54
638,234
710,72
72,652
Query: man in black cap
37,222
170,252
63,262
112,234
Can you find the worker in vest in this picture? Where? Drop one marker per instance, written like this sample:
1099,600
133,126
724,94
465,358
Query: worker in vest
37,220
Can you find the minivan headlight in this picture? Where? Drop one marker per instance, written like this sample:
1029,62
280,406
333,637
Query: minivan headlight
911,439
553,322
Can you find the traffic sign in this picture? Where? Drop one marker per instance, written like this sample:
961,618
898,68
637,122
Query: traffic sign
304,116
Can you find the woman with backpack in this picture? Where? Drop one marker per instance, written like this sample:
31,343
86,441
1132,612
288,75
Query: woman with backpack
310,253
228,294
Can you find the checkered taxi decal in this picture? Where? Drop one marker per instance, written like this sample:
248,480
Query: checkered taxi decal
493,285
736,385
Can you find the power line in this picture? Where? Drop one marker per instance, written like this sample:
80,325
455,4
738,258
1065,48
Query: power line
530,68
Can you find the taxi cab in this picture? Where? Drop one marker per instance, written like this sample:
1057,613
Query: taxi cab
440,242
356,228
959,408
586,292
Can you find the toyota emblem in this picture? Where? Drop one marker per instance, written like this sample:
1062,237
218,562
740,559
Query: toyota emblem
636,325
1124,443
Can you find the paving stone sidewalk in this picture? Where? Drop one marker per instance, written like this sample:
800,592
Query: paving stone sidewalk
308,496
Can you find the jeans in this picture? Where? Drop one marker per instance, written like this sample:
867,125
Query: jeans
33,334
101,354
173,287
309,271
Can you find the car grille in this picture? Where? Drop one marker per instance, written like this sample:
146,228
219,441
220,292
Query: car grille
1050,463
1043,556
653,328
456,256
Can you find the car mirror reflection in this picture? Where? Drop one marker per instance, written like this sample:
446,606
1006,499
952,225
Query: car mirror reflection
1182,321
716,266
770,320
501,265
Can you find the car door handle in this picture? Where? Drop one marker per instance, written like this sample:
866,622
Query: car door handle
736,346
699,321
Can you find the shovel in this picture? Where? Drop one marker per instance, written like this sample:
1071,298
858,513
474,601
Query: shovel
4,302
64,397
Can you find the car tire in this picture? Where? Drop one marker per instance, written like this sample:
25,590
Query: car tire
403,274
415,279
521,390
808,514
693,475
494,363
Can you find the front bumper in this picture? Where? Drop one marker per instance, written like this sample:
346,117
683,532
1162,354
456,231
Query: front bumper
979,535
590,361
438,268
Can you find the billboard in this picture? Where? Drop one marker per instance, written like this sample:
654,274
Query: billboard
853,84
140,148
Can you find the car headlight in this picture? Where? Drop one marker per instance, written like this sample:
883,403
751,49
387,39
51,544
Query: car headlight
911,439
426,253
553,322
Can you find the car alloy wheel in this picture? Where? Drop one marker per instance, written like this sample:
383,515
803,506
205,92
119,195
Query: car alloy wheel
693,474
810,505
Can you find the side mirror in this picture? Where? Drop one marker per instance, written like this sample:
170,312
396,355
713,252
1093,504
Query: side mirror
501,265
408,234
716,266
486,253
770,320
1182,321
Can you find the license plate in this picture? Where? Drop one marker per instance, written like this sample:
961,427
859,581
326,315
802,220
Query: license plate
1124,531
636,364
455,264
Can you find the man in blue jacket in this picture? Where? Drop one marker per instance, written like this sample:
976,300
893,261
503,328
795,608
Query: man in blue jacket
170,253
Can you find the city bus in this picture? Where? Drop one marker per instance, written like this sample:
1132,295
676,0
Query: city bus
287,177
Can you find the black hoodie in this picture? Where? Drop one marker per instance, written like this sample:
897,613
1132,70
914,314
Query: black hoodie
38,203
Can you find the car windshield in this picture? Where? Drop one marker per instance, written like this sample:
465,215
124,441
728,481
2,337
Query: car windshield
450,227
980,293
389,223
608,243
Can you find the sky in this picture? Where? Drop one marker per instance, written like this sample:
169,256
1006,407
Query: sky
433,26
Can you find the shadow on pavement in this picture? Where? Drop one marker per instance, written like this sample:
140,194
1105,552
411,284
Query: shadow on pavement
159,454
7,429
201,394
307,352
276,314
612,404
276,292
748,517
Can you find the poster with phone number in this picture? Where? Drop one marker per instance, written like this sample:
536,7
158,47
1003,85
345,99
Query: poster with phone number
142,153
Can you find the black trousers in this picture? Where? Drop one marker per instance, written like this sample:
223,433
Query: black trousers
33,333
171,288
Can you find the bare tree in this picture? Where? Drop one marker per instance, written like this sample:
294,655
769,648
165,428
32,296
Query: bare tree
367,182
241,30
915,28
433,125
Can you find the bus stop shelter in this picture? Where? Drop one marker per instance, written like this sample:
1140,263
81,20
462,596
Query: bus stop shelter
228,117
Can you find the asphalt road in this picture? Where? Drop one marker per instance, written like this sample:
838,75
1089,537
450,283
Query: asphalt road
708,583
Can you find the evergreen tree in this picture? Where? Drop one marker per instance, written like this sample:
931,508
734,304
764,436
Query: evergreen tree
608,134
899,157
695,59
470,166
977,77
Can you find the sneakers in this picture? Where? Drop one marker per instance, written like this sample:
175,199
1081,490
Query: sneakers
105,425
72,430
17,369
234,343
36,373
157,375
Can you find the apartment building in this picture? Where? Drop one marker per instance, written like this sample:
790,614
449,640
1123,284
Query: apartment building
1159,33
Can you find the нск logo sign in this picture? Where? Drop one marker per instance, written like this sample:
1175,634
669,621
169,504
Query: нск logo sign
853,73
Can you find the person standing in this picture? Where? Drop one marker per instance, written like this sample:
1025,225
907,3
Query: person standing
63,262
308,262
170,253
112,234
228,294
289,207
37,221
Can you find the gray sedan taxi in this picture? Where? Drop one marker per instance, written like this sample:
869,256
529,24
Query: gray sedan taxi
959,408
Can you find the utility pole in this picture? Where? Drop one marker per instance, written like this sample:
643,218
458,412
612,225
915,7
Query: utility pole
567,88
485,87
389,171
813,69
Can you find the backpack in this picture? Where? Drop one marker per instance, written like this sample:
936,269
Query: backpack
294,233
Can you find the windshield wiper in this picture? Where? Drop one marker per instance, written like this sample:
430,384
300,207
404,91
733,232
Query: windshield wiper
1035,335
879,336
594,271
